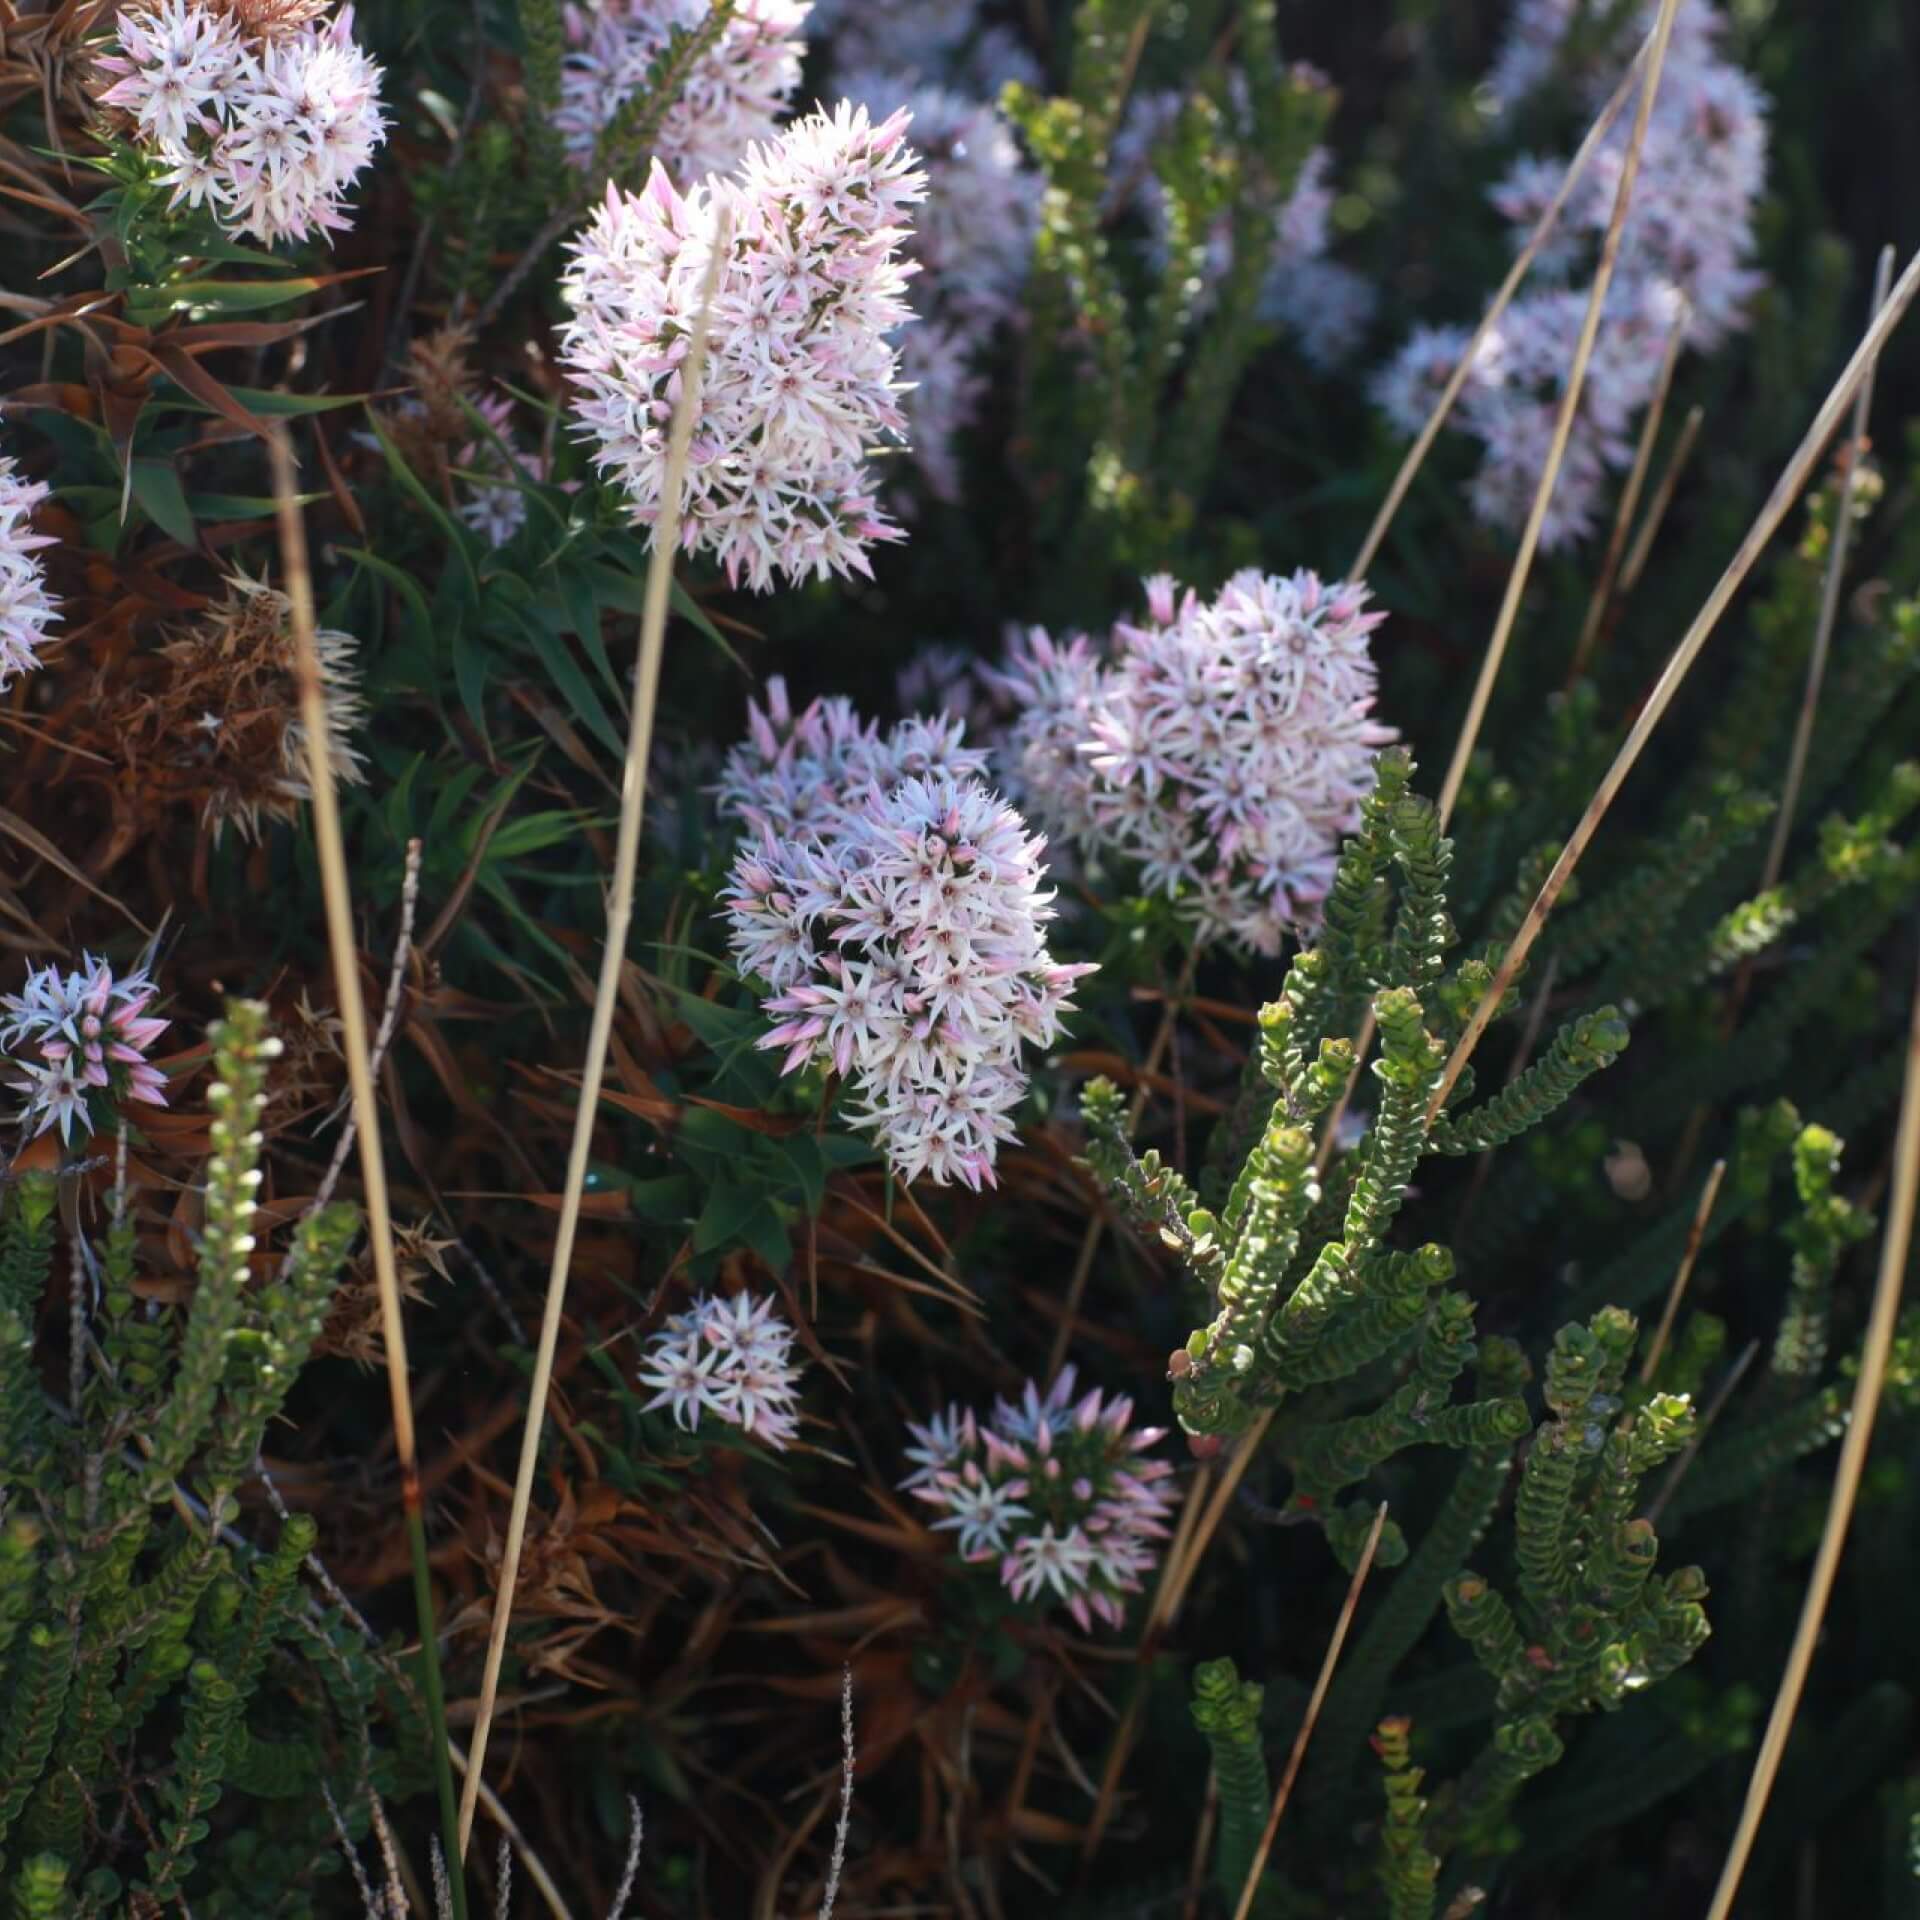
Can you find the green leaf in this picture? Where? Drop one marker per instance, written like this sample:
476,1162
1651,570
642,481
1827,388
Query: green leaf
228,296
534,832
808,1166
241,506
403,584
265,400
411,482
583,613
565,673
726,1216
470,676
157,487
665,1202
766,1233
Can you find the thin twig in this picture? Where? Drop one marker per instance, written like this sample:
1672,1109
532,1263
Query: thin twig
1661,501
1712,1412
1284,1791
636,1835
1542,232
395,1906
1786,491
370,1902
382,1039
1829,603
1695,1235
1202,1838
1563,424
1090,1240
1874,1352
837,1865
330,850
1173,1592
633,792
1629,499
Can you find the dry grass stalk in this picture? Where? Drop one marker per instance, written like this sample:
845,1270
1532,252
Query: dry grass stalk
1543,231
1695,1234
1662,500
1629,500
1829,602
653,627
1787,490
1563,424
330,850
1894,1249
1284,1791
1202,1842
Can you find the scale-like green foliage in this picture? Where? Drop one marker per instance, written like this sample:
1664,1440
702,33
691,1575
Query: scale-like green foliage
134,1631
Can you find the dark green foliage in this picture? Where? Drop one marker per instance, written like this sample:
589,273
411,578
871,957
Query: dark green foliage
133,1635
1409,1870
1593,1625
1132,425
1293,1311
1226,1709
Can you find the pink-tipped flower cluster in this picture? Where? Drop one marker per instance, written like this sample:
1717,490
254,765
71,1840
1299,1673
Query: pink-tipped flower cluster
26,611
1683,264
1221,749
972,243
268,129
812,773
734,94
895,907
732,1358
800,379
1053,1491
71,1036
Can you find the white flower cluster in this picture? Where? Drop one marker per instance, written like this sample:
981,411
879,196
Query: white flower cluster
895,907
26,611
1683,262
268,129
1054,1491
800,377
734,95
68,1036
812,773
973,242
732,1358
1220,748
1324,305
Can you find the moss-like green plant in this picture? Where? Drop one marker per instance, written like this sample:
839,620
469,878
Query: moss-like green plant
1303,1292
1592,1623
134,1631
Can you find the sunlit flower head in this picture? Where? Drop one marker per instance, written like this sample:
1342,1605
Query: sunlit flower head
895,907
1218,750
265,118
800,385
